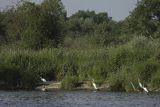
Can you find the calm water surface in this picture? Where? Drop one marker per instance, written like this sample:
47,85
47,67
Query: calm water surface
78,99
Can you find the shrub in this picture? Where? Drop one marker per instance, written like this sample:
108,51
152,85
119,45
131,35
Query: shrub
22,68
99,73
116,82
118,57
10,76
146,69
69,82
155,80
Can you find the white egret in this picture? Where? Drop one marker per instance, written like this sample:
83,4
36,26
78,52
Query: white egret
94,85
43,87
144,88
43,80
140,84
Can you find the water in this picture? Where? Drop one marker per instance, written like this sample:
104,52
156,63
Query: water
78,99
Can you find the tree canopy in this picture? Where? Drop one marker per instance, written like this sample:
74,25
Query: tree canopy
34,25
46,24
145,18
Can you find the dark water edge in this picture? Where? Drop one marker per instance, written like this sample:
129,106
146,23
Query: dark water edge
77,99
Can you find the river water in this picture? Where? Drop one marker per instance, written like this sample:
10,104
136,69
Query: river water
77,99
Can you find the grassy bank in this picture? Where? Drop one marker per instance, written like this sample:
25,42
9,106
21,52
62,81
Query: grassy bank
116,65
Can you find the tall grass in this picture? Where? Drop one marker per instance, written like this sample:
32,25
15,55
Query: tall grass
132,61
119,65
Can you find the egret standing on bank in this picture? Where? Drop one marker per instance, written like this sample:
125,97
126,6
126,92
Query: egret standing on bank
94,85
44,81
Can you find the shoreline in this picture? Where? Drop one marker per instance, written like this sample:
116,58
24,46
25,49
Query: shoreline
85,86
76,89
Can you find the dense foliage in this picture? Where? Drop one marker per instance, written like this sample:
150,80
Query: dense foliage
145,18
38,40
35,26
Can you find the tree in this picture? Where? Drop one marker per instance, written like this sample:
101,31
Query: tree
145,18
86,22
101,18
52,21
36,25
2,28
83,14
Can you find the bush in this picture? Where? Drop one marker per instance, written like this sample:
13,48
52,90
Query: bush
98,72
121,81
69,82
116,82
120,65
130,77
146,70
10,76
22,69
155,80
118,57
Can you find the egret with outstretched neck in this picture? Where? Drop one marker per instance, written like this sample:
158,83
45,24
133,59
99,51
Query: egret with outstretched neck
141,86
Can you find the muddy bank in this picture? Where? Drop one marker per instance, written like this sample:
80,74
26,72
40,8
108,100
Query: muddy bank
85,85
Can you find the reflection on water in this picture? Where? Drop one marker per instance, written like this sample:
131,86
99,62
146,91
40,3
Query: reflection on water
78,99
